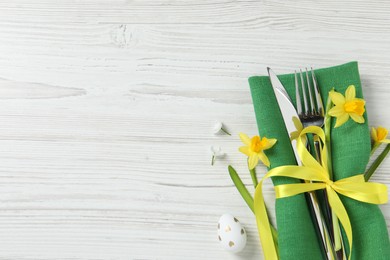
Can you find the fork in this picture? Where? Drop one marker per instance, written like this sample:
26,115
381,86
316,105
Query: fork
312,114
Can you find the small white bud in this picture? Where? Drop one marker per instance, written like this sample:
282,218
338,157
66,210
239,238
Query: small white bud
218,128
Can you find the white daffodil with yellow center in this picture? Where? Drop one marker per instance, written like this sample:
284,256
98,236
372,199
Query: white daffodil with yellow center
254,148
346,107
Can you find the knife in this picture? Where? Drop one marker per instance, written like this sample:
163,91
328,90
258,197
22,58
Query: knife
288,112
286,107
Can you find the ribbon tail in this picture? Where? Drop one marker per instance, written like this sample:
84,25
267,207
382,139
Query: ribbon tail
339,209
263,225
356,188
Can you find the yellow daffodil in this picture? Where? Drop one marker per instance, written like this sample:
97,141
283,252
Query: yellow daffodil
254,149
348,106
379,135
298,126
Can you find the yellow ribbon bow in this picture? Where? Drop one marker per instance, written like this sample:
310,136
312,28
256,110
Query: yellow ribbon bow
317,176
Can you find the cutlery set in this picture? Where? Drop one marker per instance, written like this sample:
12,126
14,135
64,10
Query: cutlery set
309,111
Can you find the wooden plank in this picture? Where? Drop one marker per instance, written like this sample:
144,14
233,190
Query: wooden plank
107,111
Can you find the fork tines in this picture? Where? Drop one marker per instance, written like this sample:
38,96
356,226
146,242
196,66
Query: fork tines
312,103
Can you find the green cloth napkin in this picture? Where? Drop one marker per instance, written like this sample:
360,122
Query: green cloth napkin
350,155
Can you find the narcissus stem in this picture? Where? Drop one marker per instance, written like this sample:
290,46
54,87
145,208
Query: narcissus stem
254,177
376,163
327,129
226,132
373,149
248,199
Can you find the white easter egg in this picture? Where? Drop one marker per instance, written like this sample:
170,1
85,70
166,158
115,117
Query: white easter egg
231,234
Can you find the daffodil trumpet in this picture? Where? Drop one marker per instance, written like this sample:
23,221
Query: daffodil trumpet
378,137
317,175
254,148
347,106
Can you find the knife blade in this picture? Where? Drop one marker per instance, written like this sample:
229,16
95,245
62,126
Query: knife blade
288,112
286,107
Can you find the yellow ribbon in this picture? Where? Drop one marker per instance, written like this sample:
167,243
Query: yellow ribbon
317,176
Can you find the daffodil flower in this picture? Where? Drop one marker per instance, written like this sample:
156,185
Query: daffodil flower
346,107
254,148
298,125
379,135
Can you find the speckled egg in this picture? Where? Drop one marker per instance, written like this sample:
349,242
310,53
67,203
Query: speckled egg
231,234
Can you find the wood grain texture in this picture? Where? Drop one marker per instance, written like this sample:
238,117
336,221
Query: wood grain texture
107,109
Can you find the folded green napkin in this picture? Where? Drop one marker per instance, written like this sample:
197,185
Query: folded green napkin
350,154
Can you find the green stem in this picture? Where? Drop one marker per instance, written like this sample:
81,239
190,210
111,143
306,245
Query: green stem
241,188
212,160
336,232
226,132
374,147
248,198
327,129
376,163
254,177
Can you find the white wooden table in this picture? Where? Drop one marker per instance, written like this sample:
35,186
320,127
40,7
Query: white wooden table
107,109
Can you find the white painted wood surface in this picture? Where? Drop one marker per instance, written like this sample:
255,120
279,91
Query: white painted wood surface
107,109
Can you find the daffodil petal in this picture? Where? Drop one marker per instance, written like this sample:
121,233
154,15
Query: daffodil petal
294,135
350,93
253,160
271,142
297,123
357,118
387,141
337,98
264,159
245,139
245,150
341,120
336,111
373,134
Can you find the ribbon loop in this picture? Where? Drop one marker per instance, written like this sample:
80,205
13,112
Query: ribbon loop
317,176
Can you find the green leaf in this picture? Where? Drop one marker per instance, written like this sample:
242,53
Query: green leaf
241,187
